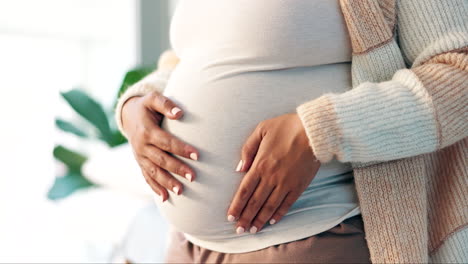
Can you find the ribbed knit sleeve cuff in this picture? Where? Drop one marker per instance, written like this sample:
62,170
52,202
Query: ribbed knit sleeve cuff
321,125
155,81
373,122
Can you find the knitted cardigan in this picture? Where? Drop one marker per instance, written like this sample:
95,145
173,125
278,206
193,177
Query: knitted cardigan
403,126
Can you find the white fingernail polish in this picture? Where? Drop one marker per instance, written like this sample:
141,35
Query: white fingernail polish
176,190
231,218
272,221
194,156
239,166
188,176
175,110
240,230
253,230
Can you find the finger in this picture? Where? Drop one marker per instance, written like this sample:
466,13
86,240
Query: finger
168,142
288,201
269,208
156,187
250,149
161,104
168,162
162,177
243,193
254,204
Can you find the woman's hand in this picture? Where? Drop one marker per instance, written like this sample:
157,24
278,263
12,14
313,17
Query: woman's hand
152,146
280,164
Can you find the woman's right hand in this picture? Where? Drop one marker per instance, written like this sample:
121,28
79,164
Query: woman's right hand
152,146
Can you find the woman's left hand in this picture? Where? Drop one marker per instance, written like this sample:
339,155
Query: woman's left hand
280,164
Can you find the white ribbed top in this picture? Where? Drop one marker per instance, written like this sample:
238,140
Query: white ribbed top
242,62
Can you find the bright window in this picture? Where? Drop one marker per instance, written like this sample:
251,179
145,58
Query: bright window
49,46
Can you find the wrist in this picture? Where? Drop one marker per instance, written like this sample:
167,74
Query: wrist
321,125
154,82
302,134
126,109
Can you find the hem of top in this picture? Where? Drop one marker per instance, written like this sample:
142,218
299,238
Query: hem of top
284,238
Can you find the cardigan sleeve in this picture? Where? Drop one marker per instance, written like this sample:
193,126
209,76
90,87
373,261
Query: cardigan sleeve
419,110
155,81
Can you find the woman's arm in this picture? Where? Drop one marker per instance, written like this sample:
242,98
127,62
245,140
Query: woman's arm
155,81
420,110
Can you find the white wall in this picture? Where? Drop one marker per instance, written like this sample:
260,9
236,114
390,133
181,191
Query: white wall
49,46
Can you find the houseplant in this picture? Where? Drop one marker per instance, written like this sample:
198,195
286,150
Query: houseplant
102,124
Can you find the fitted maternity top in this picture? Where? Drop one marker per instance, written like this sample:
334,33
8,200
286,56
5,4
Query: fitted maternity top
242,62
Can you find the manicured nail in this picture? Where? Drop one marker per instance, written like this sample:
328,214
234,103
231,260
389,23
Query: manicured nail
194,156
239,166
253,230
272,221
175,110
240,230
176,190
188,176
231,218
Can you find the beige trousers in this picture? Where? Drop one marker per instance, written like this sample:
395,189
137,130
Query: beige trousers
344,243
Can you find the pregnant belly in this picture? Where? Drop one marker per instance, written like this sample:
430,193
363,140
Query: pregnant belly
222,108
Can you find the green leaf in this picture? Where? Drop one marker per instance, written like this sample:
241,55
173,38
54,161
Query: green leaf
69,127
118,139
73,160
66,185
90,110
131,77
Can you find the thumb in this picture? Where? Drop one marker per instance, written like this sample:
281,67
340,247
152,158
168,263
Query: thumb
250,149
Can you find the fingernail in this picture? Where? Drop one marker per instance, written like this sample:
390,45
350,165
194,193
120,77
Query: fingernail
231,218
176,190
188,176
272,221
175,110
253,230
239,166
194,156
240,230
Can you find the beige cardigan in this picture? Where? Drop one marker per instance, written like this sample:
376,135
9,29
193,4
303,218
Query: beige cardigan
404,130
403,125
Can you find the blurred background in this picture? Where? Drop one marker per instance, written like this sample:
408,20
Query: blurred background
70,190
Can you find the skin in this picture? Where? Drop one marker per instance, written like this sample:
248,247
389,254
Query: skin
153,147
279,165
276,158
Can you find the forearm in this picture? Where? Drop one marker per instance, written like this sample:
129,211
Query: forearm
417,110
388,120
